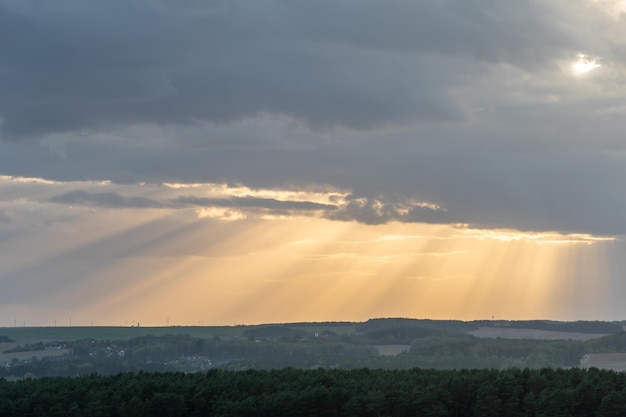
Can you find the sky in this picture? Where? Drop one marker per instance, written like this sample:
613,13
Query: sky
224,162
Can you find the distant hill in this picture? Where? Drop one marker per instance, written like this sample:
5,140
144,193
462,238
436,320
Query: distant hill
611,343
457,326
415,343
376,325
401,335
590,327
6,339
274,332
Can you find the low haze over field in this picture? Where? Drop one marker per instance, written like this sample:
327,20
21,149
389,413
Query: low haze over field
240,161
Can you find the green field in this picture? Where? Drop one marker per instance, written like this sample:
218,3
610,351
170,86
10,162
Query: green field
22,334
116,333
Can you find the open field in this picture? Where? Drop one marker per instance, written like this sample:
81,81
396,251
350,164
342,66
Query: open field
614,361
507,333
22,356
34,334
391,350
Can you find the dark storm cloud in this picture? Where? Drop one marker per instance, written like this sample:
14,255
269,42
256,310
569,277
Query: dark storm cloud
364,210
79,66
111,199
381,210
567,191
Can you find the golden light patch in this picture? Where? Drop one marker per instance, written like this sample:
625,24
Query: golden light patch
612,8
322,195
191,270
552,238
584,64
220,213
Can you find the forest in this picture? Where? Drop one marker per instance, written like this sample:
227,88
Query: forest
321,392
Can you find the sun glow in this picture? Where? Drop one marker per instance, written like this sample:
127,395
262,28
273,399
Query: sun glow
585,64
258,271
235,263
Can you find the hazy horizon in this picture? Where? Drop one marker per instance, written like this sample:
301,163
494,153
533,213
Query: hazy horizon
277,161
131,325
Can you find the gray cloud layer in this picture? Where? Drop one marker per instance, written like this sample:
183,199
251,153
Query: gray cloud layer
362,210
105,199
78,66
470,105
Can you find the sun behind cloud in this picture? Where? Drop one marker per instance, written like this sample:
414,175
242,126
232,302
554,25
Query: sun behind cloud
584,64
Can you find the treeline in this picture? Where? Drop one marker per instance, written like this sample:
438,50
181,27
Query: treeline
582,326
450,352
453,326
457,326
293,393
611,343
